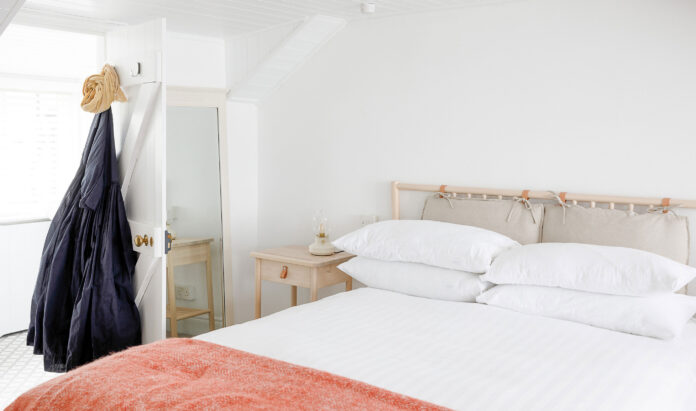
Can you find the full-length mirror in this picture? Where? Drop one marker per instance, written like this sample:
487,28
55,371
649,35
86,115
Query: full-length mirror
195,297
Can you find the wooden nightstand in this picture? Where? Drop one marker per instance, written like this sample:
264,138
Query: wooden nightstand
189,251
295,266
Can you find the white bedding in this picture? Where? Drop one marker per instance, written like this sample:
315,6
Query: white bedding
475,357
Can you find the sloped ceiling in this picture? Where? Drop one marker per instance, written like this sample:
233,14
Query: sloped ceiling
266,73
213,17
8,9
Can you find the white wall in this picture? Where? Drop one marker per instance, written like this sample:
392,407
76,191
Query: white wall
245,53
21,246
589,96
195,61
21,243
242,126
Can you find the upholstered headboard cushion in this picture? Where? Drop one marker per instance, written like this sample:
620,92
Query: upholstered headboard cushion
663,234
489,214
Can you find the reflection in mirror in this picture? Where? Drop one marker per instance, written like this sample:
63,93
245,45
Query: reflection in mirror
194,218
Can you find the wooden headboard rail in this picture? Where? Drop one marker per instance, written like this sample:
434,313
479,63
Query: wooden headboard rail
573,198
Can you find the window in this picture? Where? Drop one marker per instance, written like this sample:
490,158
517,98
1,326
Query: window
42,128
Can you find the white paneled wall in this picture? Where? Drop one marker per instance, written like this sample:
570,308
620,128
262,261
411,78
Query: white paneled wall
246,52
8,10
270,57
216,17
242,126
195,61
20,254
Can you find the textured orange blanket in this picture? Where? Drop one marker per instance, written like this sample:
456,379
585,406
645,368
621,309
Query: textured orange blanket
191,374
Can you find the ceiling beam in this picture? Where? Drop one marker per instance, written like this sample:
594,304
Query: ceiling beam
8,9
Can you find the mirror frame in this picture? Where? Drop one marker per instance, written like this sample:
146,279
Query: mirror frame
214,98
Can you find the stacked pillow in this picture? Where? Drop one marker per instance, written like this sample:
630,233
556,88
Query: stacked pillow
423,258
617,288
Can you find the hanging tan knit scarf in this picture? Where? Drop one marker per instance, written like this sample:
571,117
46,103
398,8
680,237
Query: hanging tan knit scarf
100,90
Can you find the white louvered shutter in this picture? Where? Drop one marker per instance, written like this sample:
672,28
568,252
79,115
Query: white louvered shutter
42,128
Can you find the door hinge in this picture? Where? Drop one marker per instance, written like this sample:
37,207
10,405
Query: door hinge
167,242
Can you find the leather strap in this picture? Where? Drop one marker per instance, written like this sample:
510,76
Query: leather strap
665,203
525,194
442,190
563,196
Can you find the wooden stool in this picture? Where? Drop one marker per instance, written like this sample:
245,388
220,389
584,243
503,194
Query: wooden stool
188,251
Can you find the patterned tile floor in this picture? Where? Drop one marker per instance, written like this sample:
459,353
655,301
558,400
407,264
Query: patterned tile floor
20,369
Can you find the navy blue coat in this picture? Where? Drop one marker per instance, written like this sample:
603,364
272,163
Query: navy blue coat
83,306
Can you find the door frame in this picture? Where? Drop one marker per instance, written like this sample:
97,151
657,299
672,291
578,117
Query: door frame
180,96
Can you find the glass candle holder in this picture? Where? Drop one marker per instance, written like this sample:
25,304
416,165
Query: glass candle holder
320,226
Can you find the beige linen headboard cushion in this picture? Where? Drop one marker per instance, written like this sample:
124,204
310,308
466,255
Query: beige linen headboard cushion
489,214
663,234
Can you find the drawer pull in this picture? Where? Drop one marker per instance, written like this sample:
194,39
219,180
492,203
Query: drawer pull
284,272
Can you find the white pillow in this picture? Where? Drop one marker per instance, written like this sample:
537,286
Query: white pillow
416,279
455,246
588,267
660,315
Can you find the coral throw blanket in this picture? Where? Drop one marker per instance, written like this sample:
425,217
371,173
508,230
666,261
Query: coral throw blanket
191,374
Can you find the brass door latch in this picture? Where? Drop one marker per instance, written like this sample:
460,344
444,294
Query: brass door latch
144,240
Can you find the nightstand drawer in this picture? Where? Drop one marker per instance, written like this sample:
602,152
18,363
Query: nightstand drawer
296,274
296,267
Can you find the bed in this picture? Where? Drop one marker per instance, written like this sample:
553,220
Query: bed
474,357
377,349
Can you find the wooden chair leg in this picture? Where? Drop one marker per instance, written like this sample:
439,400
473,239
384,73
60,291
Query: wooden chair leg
257,304
171,304
209,280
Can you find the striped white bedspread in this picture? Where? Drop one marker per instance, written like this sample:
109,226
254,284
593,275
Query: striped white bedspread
475,357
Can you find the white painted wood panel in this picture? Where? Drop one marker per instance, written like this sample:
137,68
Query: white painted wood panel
219,17
244,53
195,61
20,255
266,66
139,127
8,10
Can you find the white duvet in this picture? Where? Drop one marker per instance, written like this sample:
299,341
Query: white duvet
475,357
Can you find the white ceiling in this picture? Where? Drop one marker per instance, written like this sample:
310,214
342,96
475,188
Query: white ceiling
212,17
8,9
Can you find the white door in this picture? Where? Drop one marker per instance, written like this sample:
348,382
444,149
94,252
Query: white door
139,126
